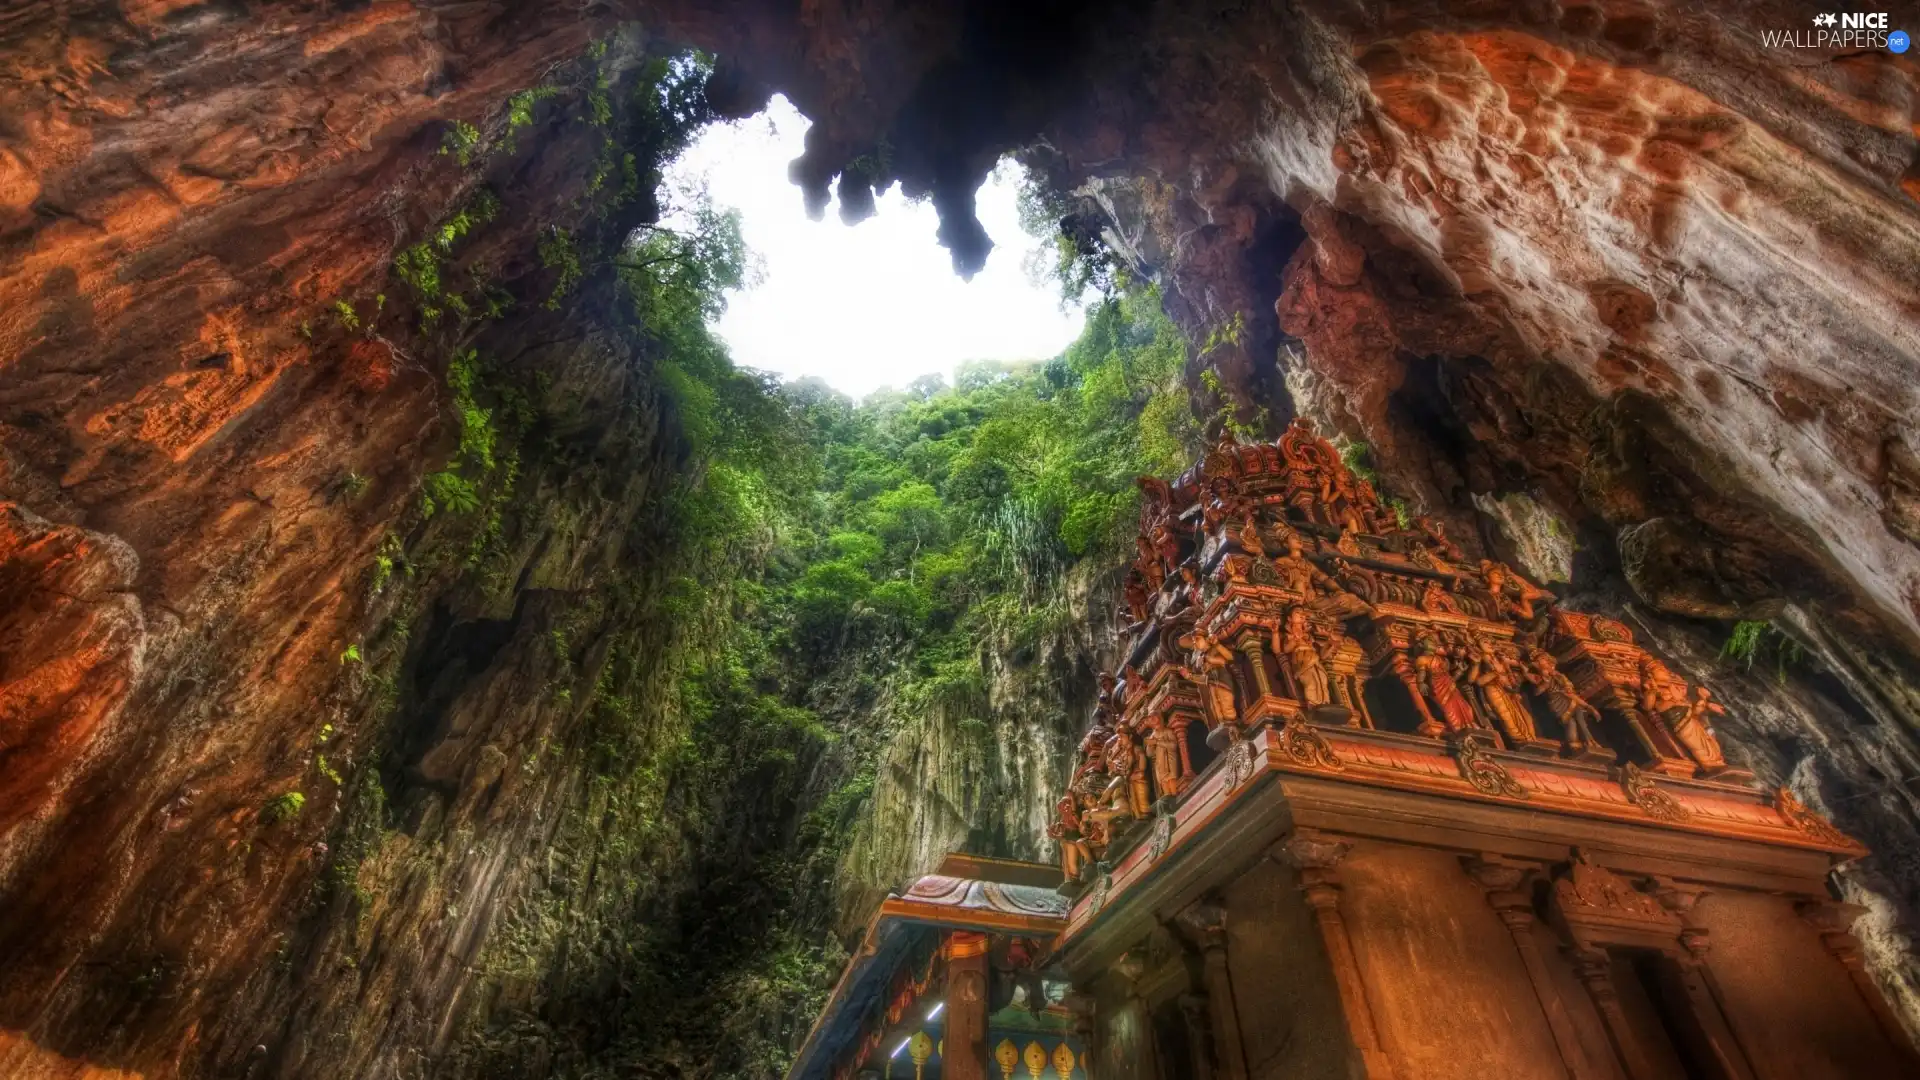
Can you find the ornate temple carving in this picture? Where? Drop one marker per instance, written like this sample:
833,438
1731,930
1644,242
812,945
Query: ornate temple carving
1274,588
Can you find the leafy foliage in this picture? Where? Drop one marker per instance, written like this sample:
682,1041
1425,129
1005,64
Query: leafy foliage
284,807
1750,638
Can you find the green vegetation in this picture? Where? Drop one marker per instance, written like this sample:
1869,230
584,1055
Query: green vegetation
1750,638
743,590
459,140
283,808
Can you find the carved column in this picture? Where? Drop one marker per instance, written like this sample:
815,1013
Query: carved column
1595,968
1193,1012
1205,924
964,1056
1702,989
1314,856
1250,645
1835,923
1181,720
1403,668
1505,884
1081,1006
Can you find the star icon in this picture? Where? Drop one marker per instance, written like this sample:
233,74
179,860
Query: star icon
1824,20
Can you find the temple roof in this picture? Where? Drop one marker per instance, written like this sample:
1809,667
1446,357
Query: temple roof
966,892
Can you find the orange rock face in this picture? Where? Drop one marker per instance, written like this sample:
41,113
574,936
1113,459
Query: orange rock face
1616,255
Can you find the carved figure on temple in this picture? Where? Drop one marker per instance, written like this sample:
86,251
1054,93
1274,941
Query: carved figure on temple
1190,592
1295,572
1138,604
1419,555
1691,729
1293,640
1131,683
1067,830
1233,570
1166,546
1436,533
1148,565
1499,685
1128,770
1347,544
1436,600
1210,665
1163,752
1576,716
1663,697
1513,595
1250,541
1435,676
1337,495
1220,505
1093,747
1107,683
1380,518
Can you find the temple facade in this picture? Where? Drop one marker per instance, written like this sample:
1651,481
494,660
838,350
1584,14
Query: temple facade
1355,805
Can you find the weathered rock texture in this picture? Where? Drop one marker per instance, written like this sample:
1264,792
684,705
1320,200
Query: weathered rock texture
1616,256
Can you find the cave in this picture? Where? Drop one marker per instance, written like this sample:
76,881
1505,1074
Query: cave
424,652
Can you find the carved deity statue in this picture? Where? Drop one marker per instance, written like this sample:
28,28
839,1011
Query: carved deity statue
1576,716
1436,532
1128,770
1138,602
1435,675
1211,665
1166,546
1148,564
1163,751
1694,733
1293,640
1499,686
1436,600
1513,595
1250,541
1299,575
1220,505
1341,501
1068,830
1093,747
1296,574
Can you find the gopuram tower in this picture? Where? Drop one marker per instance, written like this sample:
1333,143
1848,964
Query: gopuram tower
1354,805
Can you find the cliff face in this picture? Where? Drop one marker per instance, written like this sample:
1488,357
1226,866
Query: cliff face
1616,258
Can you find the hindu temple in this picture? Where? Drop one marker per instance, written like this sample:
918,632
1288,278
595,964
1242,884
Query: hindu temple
1353,805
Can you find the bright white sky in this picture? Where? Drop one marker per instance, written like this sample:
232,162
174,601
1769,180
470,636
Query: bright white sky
874,304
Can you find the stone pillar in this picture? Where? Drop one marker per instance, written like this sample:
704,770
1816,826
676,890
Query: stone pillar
1250,645
1703,991
1505,886
964,1056
1596,971
1085,1024
1314,857
1835,922
1205,924
1193,1012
